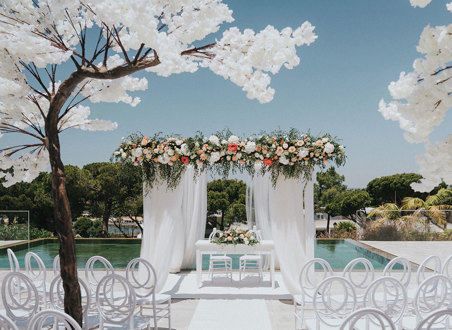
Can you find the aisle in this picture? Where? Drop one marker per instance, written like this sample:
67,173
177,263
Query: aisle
231,314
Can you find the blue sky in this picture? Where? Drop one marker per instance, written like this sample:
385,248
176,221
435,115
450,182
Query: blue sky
362,46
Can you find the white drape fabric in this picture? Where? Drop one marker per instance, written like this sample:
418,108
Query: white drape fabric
174,219
285,213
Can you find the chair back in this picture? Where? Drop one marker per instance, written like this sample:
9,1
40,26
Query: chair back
56,294
7,324
20,297
13,262
447,267
58,318
309,279
141,275
92,276
212,234
433,294
360,280
115,299
334,300
403,275
56,266
443,316
368,314
36,270
388,295
429,267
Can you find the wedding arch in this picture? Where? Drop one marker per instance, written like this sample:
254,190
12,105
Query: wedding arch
280,193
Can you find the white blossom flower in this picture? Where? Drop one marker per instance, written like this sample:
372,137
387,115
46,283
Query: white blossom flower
214,157
233,139
214,140
325,140
185,149
303,152
283,160
250,147
329,148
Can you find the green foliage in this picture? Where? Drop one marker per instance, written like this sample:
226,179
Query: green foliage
96,229
18,231
393,188
351,201
345,226
82,226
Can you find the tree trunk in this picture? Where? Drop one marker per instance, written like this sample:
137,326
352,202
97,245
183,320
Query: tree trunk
222,220
63,226
328,225
105,218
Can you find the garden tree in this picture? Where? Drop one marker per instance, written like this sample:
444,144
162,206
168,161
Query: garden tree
100,44
393,188
227,198
433,206
422,98
351,201
329,185
82,226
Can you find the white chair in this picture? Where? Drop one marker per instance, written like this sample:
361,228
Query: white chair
361,318
439,319
429,267
58,319
56,266
403,275
6,323
434,293
93,276
37,274
361,279
56,295
116,303
141,275
20,298
13,262
389,296
447,267
309,279
251,262
330,312
219,262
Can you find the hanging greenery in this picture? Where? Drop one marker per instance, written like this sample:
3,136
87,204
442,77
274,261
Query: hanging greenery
291,154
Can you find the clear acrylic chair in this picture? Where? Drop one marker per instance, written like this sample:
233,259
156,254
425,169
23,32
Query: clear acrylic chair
330,312
116,303
7,324
309,279
361,318
251,262
389,296
94,274
56,295
13,262
36,271
219,262
54,319
20,298
403,275
141,275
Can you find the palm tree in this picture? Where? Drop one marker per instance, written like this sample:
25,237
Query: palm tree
433,206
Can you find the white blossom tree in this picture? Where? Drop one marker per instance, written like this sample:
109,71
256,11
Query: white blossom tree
421,100
103,43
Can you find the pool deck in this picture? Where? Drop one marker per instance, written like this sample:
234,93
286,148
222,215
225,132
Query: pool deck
5,243
414,251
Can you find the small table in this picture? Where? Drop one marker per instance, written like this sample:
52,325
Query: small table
266,247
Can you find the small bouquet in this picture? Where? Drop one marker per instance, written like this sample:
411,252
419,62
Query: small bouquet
235,236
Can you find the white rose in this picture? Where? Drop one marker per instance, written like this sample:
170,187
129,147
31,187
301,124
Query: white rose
250,147
138,152
329,148
163,159
341,147
303,152
283,160
325,140
145,151
185,149
224,141
178,142
239,155
123,155
156,151
214,139
170,152
214,157
233,139
285,146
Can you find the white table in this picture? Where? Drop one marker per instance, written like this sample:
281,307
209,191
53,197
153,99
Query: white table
266,247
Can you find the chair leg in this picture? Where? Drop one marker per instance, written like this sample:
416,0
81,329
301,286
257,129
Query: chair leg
169,314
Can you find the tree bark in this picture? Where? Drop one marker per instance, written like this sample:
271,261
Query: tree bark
328,225
105,218
63,226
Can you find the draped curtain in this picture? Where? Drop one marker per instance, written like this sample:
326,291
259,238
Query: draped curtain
174,219
285,214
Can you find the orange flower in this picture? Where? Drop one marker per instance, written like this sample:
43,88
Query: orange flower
174,158
276,157
234,158
199,152
184,159
203,156
156,160
134,145
140,159
306,158
258,148
268,162
291,149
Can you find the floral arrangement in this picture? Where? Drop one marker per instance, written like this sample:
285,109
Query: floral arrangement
289,153
235,236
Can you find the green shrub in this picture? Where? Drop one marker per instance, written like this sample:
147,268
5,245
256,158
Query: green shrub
96,229
82,227
16,231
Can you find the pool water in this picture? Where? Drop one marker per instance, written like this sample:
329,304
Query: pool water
337,252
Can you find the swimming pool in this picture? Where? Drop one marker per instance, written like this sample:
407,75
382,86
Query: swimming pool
120,251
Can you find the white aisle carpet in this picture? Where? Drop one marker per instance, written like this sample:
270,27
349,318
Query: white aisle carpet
231,314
